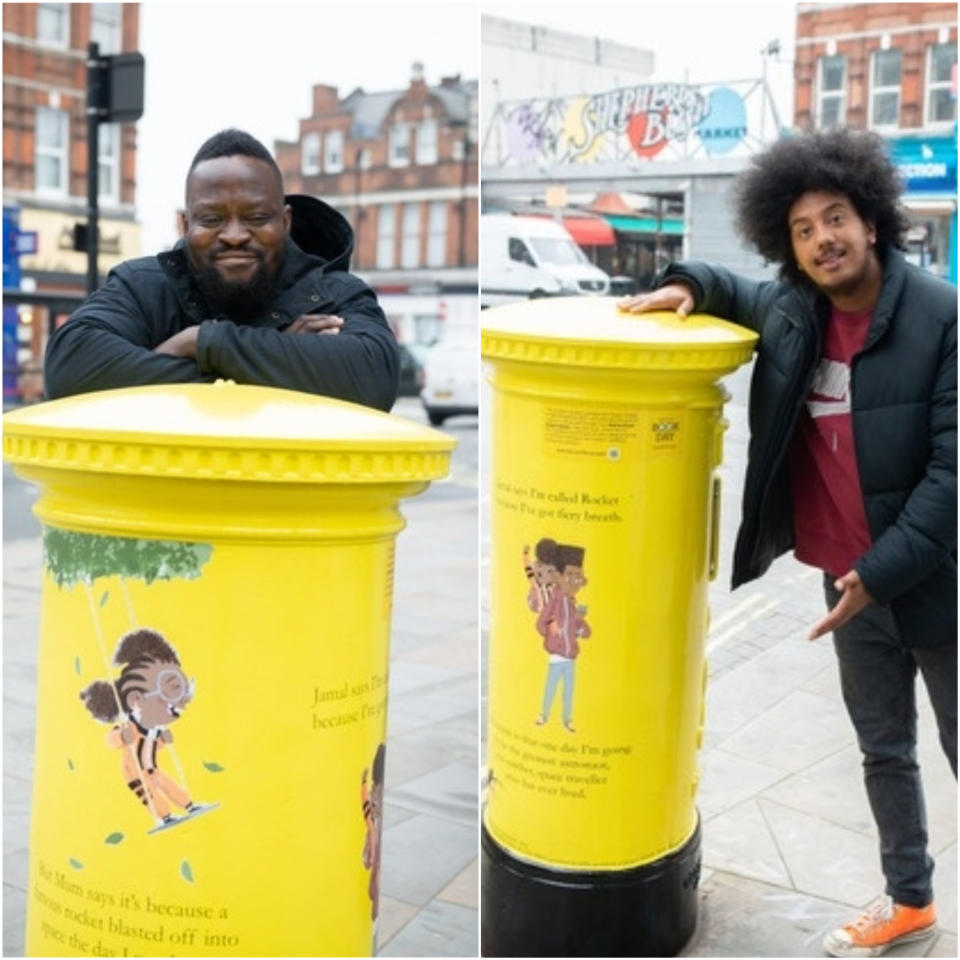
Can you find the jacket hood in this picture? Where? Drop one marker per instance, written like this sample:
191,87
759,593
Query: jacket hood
320,230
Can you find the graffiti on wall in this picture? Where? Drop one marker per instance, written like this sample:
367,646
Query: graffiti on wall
618,125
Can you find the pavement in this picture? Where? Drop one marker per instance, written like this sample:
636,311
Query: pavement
789,847
429,886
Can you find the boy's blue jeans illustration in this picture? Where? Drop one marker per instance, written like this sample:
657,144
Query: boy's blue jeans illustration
556,670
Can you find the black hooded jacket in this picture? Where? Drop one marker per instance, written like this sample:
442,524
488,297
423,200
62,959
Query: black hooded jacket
903,387
108,342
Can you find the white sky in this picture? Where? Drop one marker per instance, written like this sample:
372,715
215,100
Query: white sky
252,65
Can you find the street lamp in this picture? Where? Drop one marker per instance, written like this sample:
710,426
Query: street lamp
772,49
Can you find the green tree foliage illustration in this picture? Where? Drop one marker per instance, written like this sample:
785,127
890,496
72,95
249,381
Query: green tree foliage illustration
83,557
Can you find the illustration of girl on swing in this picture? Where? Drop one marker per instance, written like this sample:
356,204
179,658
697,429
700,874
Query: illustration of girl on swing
150,694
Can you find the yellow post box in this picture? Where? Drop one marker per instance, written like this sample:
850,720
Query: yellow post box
607,432
212,686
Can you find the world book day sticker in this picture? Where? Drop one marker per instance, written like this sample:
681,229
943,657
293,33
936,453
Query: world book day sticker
595,434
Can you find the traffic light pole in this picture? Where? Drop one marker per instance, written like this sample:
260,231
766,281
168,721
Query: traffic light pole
94,77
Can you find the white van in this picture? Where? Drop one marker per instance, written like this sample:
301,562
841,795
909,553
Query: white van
532,257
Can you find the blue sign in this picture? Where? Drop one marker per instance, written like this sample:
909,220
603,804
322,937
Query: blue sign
26,242
927,165
11,255
725,125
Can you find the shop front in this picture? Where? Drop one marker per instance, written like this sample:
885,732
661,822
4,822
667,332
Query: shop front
928,168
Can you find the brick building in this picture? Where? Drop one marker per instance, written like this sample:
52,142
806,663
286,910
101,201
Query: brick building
891,67
401,165
45,172
45,136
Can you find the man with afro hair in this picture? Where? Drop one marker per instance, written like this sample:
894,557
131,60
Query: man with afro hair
852,463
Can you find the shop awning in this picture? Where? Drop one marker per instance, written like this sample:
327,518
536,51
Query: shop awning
672,225
590,231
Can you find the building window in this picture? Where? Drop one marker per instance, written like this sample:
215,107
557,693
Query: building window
941,105
333,152
310,154
386,230
53,24
437,234
106,26
833,91
399,145
53,133
108,142
427,142
410,256
885,89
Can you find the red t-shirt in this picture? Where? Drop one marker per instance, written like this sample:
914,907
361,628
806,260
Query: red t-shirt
829,520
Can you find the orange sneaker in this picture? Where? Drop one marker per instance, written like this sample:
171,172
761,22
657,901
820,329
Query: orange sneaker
882,926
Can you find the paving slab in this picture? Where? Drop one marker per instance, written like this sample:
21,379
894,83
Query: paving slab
449,792
439,930
422,855
842,865
740,917
797,732
739,841
727,779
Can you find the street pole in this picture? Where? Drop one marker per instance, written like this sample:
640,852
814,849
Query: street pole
94,77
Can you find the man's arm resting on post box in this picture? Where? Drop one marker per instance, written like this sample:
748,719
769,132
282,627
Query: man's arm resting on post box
108,342
360,364
116,340
694,286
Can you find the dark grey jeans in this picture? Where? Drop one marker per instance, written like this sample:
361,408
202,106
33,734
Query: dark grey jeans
877,675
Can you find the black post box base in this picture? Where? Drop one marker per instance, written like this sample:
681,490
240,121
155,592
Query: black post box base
531,911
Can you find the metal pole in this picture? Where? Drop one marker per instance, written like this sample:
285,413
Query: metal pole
763,97
94,79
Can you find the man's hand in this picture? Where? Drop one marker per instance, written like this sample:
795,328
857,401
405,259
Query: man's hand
182,344
853,598
316,323
166,735
674,296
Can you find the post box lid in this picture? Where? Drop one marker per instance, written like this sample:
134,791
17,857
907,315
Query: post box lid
593,332
225,431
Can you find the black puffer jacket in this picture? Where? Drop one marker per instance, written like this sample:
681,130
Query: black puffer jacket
109,340
904,410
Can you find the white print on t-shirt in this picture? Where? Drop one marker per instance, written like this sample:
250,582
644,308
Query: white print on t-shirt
831,380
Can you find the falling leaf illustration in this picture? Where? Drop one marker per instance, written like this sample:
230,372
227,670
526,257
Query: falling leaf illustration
76,665
70,764
105,597
213,767
114,838
76,864
186,872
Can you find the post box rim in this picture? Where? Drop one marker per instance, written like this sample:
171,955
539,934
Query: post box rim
606,339
406,451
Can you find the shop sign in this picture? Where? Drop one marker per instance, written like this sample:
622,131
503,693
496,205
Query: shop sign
641,121
927,165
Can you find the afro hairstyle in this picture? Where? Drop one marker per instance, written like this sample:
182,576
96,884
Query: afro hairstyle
854,163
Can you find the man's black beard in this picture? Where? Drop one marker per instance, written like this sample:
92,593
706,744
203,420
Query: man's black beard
240,302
